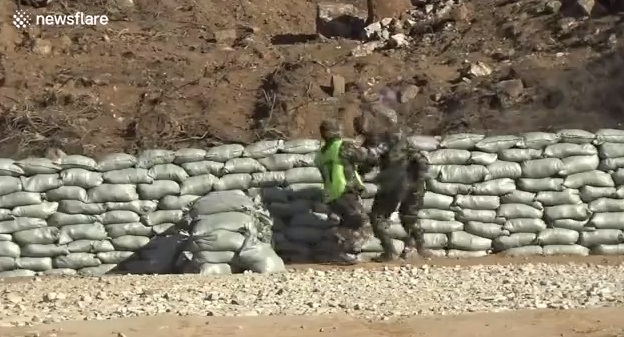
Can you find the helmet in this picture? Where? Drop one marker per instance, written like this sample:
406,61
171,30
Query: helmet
330,129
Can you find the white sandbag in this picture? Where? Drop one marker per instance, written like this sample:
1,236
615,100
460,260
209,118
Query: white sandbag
486,230
230,221
451,189
463,174
19,199
10,185
543,184
162,216
435,200
482,158
436,214
164,229
67,193
520,197
433,171
32,166
128,176
260,258
541,168
306,175
263,148
21,224
503,243
42,236
524,225
609,136
5,237
423,143
215,269
563,150
34,263
611,150
150,158
577,225
42,211
448,157
221,201
567,196
496,144
301,146
117,161
217,241
461,141
611,220
114,257
7,263
5,214
503,169
77,161
538,140
282,161
90,246
213,257
100,270
18,273
140,207
601,237
9,168
439,226
130,242
592,178
223,153
9,249
242,165
516,211
523,251
578,164
174,202
575,212
203,167
591,193
435,240
168,172
198,185
574,250
121,229
496,187
519,155
618,176
557,236
268,179
189,155
237,181
60,219
611,164
490,202
464,254
604,205
118,216
158,190
78,207
113,193
608,250
43,250
76,261
81,178
576,136
465,241
70,233
480,215
305,191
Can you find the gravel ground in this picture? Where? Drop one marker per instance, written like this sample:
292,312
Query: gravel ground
381,294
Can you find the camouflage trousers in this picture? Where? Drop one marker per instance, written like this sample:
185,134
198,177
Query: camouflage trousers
406,195
354,228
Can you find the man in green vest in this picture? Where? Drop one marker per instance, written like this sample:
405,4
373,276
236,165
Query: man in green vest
337,161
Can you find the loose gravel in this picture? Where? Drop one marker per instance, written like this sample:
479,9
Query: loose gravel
373,294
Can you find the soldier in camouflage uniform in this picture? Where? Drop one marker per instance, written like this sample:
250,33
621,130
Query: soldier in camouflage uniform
401,182
338,161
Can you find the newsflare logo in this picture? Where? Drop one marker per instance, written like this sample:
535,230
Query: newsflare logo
23,19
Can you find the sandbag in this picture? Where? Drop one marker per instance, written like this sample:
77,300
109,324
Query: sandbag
538,140
477,201
451,189
5,237
461,141
301,146
423,143
464,254
495,144
121,229
482,158
164,229
221,201
140,207
43,250
237,181
438,226
32,166
611,150
282,161
100,270
60,219
524,225
436,214
305,191
543,184
213,257
260,258
9,249
516,211
223,153
81,178
577,225
5,214
480,215
242,165
79,207
77,161
230,221
70,233
215,269
168,172
439,201
519,155
90,246
608,250
434,240
557,236
563,150
541,168
611,220
114,257
284,210
575,212
128,176
520,197
175,202
9,168
486,230
463,174
577,250
42,236
617,176
150,158
263,148
523,251
576,136
433,171
567,196
117,161
76,261
189,155
19,199
604,205
591,193
203,167
465,241
21,224
113,193
502,243
448,157
306,175
503,169
162,216
268,179
119,216
611,164
601,237
593,178
67,193
158,189
18,273
496,187
609,136
130,242
579,164
7,263
34,263
198,185
41,211
217,241
10,185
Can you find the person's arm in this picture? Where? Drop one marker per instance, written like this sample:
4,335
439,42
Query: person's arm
360,155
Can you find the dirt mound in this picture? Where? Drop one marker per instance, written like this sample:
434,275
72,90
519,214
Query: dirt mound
170,74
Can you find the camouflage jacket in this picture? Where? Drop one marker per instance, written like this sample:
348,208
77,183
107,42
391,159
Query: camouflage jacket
353,157
396,154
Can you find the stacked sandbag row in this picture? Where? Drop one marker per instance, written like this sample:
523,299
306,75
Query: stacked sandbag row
227,235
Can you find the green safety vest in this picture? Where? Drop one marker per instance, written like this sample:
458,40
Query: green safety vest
331,166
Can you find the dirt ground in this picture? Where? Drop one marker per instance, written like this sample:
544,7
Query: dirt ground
172,73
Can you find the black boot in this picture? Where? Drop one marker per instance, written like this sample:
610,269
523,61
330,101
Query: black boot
389,253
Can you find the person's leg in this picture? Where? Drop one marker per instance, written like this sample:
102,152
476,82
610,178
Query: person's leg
385,203
408,213
351,232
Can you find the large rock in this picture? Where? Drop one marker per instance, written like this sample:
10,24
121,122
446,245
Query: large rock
338,20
